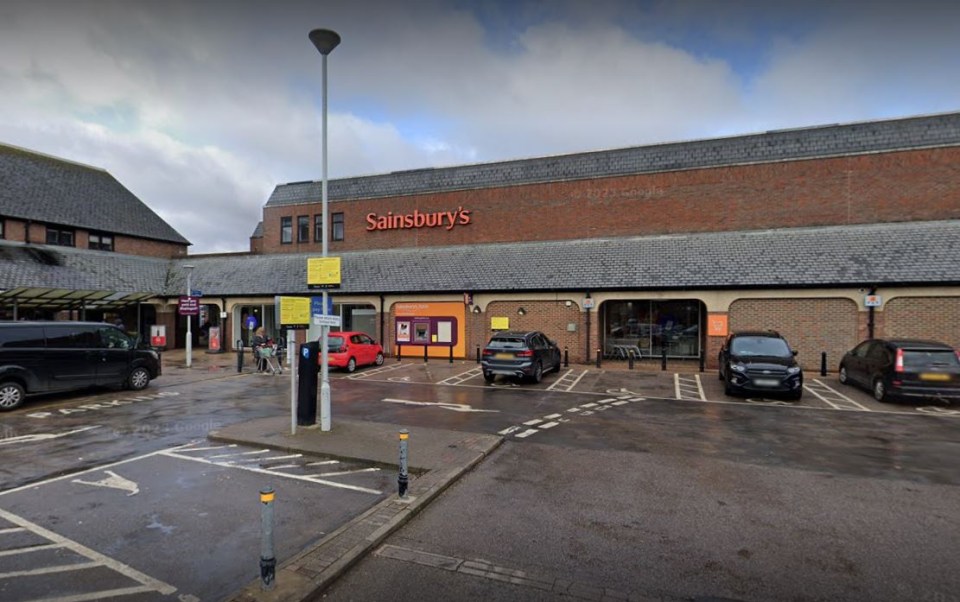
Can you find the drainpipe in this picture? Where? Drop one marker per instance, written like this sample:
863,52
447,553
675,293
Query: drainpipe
383,333
588,331
870,315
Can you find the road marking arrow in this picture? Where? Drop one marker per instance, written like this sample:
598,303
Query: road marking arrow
114,481
43,436
456,407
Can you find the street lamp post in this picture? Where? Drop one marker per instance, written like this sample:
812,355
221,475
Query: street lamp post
325,40
189,269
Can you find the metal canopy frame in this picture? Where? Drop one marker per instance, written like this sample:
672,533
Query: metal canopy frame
66,299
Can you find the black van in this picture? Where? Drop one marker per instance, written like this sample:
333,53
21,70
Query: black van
44,357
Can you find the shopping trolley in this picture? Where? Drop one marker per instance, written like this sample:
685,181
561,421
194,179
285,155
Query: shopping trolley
271,363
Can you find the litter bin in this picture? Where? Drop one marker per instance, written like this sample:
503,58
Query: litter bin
307,383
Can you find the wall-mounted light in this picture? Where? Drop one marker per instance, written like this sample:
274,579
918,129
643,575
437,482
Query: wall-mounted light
568,303
476,309
522,311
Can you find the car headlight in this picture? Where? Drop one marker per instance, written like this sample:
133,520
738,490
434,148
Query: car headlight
738,367
793,370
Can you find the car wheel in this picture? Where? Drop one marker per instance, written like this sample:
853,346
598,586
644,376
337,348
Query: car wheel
379,360
879,390
351,365
489,377
138,379
537,373
844,379
11,395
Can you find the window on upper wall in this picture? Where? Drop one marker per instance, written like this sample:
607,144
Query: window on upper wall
101,242
318,228
60,236
286,230
337,232
303,228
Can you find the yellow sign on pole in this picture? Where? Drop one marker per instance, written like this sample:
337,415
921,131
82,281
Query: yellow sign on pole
323,272
294,311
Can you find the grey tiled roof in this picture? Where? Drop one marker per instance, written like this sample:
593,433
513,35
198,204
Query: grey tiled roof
44,266
46,189
916,253
258,231
781,145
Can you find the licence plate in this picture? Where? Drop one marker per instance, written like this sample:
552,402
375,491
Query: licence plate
934,376
766,382
504,356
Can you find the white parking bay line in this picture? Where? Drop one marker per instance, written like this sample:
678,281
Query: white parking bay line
270,472
527,433
549,425
98,558
838,394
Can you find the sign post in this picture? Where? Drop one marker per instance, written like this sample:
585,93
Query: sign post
324,273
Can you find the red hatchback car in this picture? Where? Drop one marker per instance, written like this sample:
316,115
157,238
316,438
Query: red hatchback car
347,350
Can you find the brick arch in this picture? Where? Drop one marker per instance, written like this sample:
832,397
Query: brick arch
934,318
811,326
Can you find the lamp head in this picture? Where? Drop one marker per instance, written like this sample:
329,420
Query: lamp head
325,40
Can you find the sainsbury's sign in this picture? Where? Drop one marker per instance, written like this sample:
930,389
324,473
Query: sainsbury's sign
435,219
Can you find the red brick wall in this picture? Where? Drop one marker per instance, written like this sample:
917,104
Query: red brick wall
811,326
885,187
16,230
933,318
549,317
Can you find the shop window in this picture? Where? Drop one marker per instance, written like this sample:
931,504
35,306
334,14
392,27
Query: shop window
303,228
318,228
101,242
337,232
60,236
286,230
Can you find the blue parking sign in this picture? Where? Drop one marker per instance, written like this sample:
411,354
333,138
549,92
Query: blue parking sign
316,306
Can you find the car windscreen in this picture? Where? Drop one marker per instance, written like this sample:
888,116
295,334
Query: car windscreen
760,346
507,343
916,360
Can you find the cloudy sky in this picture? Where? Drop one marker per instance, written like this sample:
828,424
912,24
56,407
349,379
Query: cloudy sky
200,108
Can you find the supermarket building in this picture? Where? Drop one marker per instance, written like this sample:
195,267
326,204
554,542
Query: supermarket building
827,234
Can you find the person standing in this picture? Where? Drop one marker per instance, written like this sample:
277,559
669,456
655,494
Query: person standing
259,340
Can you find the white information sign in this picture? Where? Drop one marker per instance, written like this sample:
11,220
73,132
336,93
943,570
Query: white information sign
323,320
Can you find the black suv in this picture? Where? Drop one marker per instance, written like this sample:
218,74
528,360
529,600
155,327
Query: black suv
760,362
521,355
903,368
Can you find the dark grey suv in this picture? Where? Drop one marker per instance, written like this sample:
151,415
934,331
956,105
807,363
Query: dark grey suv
521,355
760,362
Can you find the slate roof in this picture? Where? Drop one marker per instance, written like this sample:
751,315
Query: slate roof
915,253
47,189
780,145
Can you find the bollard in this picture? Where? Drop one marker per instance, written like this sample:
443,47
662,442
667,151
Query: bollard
566,357
703,360
599,355
478,355
451,354
630,360
403,478
663,358
268,561
424,354
823,363
399,347
239,355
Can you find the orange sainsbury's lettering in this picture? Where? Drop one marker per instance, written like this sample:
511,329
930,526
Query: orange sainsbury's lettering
436,219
